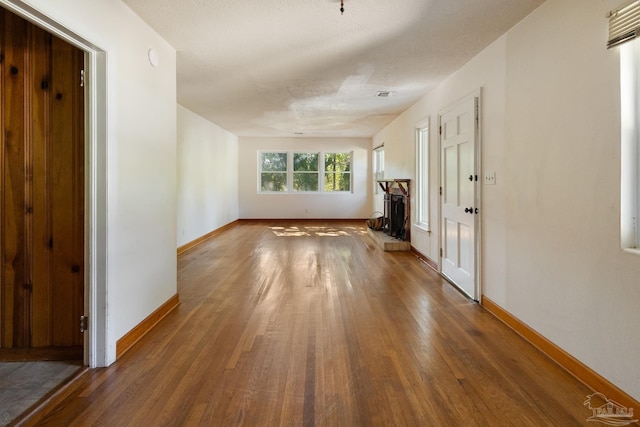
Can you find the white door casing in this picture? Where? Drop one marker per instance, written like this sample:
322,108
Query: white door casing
96,143
459,204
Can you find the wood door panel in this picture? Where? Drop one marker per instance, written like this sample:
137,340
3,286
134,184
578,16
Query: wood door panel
2,128
42,182
14,238
41,152
67,193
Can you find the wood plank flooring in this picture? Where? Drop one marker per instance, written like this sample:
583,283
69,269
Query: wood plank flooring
291,323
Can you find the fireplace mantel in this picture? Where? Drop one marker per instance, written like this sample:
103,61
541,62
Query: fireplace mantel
403,184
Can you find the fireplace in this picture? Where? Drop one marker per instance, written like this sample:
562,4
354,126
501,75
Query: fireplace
396,216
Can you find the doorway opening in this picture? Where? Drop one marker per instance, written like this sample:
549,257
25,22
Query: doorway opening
96,143
42,198
90,163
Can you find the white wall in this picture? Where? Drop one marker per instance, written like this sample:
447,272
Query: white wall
486,71
550,226
141,153
574,283
207,176
357,204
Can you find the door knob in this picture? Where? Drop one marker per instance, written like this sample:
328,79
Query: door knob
470,177
468,210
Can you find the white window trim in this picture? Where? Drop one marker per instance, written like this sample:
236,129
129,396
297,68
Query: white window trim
290,172
630,147
423,205
378,173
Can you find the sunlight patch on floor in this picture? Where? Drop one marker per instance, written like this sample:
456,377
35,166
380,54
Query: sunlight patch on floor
314,230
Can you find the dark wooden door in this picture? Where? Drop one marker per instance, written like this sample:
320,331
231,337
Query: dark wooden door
42,193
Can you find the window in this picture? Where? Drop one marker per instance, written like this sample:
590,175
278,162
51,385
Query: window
292,172
422,176
273,172
378,167
305,171
624,29
630,145
337,172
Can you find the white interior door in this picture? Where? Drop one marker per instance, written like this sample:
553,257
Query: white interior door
458,139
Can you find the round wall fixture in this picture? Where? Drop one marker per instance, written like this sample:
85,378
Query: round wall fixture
154,58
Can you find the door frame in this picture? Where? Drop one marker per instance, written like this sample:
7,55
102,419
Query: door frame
96,139
477,94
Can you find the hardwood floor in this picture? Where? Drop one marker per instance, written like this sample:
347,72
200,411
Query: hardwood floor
309,323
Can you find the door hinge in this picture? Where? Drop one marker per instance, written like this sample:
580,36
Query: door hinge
84,323
441,191
440,130
81,78
440,252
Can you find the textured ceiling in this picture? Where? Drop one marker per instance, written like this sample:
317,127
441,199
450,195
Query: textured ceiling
290,67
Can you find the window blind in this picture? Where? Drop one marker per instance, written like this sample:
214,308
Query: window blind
624,24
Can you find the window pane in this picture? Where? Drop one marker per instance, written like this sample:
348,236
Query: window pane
305,162
337,162
337,168
305,181
378,168
273,181
630,144
337,181
273,162
422,176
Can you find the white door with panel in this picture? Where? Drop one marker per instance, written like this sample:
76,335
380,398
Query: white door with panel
459,180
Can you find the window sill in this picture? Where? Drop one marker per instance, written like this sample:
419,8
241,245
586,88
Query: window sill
634,251
422,228
315,193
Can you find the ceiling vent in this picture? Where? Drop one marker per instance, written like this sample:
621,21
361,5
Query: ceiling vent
384,93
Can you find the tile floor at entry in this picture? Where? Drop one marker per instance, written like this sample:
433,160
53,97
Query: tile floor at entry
25,384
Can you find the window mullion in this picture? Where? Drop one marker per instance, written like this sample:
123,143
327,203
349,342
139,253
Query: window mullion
635,147
321,171
290,156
